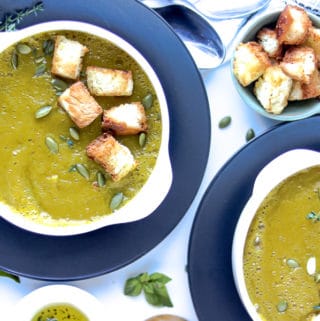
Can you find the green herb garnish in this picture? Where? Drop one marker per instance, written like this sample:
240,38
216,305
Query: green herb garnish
154,288
10,276
11,20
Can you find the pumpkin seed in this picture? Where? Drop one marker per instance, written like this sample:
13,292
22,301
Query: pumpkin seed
116,201
282,306
14,60
292,263
52,145
250,134
74,133
59,84
48,46
316,277
101,180
40,70
43,111
142,139
23,48
83,171
39,60
311,265
316,307
225,122
147,101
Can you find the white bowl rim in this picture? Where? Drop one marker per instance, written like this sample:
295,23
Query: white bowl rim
137,208
47,295
276,171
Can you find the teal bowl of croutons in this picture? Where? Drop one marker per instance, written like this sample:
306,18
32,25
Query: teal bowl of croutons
275,66
85,130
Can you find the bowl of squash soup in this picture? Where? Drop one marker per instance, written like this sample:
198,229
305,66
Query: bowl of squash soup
57,302
84,130
275,253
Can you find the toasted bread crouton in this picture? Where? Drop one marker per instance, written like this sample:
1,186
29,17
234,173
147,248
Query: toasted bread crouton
250,62
272,89
109,82
80,105
126,119
67,57
267,38
115,158
299,63
305,91
292,25
313,41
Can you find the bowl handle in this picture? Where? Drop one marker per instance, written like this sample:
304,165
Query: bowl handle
283,166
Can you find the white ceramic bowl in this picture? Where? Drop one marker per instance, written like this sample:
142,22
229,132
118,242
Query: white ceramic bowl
35,301
269,177
157,186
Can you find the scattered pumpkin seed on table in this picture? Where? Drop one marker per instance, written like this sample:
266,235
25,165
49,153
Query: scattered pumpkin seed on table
250,134
225,122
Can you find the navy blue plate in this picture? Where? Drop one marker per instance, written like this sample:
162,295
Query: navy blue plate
209,259
110,248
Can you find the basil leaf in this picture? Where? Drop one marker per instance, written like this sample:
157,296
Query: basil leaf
153,299
144,277
159,277
10,276
132,287
153,287
163,295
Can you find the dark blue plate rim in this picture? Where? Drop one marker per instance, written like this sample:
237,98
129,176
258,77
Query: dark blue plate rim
108,249
209,255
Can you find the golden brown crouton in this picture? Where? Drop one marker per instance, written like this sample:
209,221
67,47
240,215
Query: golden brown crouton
126,119
272,89
313,41
67,57
305,91
299,63
115,158
292,25
80,105
250,62
109,82
267,38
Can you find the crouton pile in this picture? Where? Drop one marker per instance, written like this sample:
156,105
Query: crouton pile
79,103
283,63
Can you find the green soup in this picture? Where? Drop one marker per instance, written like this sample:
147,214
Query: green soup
42,185
282,239
60,312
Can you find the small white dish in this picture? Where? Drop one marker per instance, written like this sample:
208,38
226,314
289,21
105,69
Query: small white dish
35,301
159,182
269,177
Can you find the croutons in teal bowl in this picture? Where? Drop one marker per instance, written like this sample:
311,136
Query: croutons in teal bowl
295,109
85,130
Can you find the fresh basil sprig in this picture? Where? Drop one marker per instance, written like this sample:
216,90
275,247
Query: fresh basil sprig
11,276
152,285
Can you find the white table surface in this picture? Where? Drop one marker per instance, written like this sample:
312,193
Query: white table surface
170,256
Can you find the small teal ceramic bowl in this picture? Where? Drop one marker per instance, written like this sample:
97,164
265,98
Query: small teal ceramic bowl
295,110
